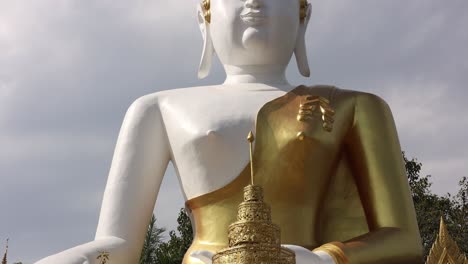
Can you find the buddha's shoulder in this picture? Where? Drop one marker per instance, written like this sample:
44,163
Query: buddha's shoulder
156,99
176,92
339,96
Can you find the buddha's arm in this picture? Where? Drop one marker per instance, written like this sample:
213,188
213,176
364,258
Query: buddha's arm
140,159
378,168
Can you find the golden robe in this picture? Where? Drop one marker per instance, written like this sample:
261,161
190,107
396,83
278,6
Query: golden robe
335,175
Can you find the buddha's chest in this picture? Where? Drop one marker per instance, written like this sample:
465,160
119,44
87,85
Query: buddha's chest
207,134
299,122
209,146
215,122
299,140
225,120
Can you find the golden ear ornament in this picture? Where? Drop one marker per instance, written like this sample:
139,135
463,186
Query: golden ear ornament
206,4
206,10
304,6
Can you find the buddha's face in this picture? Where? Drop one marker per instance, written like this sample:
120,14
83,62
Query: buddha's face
254,32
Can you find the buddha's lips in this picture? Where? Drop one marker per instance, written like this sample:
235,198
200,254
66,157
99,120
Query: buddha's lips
252,17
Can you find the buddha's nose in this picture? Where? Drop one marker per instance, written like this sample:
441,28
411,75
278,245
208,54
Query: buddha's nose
252,4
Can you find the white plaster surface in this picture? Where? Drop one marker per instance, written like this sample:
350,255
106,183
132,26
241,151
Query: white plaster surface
202,130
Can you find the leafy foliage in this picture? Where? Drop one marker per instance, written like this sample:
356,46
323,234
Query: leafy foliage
430,207
153,240
459,216
172,251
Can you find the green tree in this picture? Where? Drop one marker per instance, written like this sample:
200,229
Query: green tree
155,251
430,207
153,239
173,251
459,216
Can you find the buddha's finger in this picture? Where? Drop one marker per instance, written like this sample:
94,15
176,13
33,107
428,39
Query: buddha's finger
203,255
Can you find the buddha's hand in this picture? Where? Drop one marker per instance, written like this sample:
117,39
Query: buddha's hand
65,257
204,256
112,249
303,256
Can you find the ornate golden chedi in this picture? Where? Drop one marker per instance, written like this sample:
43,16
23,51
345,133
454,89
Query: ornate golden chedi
253,238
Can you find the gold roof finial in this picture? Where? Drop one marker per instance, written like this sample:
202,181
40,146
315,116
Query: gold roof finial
251,138
4,260
445,249
254,238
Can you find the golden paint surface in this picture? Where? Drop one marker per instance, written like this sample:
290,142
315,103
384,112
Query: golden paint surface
344,182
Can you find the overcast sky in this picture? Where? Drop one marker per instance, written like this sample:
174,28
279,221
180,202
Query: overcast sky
70,68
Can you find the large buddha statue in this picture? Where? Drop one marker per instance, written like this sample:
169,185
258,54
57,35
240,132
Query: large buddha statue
328,159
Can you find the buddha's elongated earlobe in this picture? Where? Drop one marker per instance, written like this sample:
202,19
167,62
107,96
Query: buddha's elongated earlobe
300,50
208,50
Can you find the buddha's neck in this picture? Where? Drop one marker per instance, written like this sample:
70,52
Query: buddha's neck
270,75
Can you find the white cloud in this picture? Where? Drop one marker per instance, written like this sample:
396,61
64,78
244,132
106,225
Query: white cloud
39,145
419,106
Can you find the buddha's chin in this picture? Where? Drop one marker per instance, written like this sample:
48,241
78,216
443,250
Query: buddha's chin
254,39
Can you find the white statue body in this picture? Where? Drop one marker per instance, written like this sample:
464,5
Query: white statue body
201,130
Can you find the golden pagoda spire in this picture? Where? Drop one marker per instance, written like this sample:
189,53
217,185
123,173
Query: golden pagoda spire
251,138
4,260
254,238
445,250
